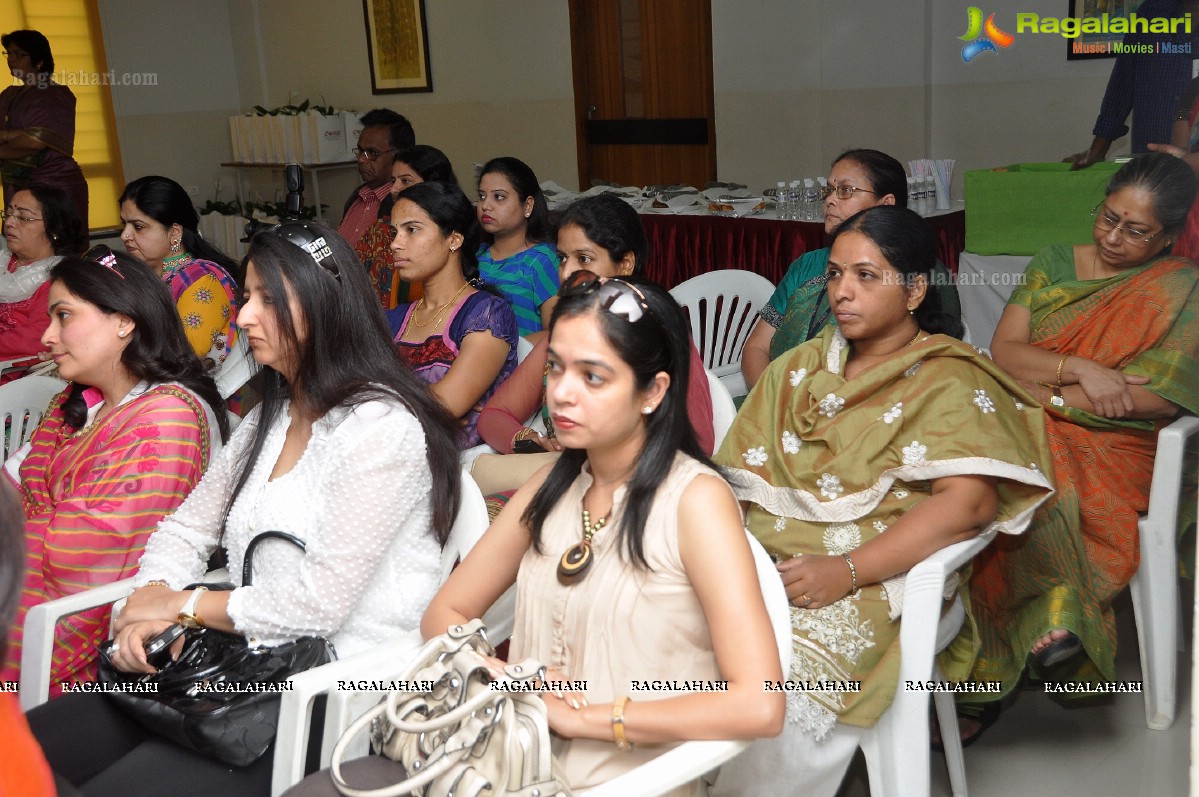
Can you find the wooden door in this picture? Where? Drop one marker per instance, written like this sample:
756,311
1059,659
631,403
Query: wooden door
643,91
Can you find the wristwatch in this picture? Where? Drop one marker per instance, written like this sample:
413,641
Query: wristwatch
187,615
1058,400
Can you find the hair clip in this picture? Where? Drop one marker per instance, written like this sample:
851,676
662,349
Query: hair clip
102,255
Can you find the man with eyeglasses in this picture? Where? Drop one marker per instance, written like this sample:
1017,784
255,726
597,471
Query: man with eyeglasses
367,215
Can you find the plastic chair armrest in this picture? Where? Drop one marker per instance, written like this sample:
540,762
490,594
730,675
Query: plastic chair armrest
38,642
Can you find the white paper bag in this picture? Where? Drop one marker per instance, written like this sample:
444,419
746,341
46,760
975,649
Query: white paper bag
353,128
328,136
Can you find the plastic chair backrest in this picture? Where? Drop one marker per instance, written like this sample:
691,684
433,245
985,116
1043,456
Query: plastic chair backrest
723,308
237,369
23,402
724,411
469,525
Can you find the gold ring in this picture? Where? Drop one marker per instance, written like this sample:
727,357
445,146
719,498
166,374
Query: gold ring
806,600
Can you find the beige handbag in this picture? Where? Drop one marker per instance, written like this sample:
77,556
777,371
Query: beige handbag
461,737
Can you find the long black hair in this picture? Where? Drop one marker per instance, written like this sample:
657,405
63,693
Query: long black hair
451,211
524,182
345,356
609,221
1169,181
157,350
657,342
908,244
165,201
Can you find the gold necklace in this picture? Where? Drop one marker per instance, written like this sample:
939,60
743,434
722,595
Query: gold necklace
577,559
441,310
916,337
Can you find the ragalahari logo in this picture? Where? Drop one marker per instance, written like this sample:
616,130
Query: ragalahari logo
980,37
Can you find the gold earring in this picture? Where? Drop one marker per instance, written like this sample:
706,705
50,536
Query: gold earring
174,247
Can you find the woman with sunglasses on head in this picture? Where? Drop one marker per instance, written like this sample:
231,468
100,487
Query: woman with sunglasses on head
514,256
628,555
799,308
161,227
1105,335
40,227
859,454
348,451
459,338
601,235
118,449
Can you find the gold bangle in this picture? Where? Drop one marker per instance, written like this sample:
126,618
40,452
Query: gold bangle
622,741
853,574
158,582
1060,363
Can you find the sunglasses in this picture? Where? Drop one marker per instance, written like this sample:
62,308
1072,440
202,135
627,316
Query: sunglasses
616,296
103,256
302,235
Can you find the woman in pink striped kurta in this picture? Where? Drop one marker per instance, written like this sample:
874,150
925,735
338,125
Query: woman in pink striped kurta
119,448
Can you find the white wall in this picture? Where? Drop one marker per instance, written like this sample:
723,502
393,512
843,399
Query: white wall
795,83
178,128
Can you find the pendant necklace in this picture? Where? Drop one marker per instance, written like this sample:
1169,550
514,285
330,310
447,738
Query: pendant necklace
577,559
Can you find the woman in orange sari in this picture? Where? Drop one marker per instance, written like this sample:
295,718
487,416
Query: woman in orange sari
1106,336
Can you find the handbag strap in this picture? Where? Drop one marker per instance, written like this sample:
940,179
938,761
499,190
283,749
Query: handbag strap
247,564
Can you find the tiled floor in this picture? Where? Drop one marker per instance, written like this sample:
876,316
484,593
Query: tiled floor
1040,747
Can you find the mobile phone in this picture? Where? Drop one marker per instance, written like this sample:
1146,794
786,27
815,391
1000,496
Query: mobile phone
158,649
527,446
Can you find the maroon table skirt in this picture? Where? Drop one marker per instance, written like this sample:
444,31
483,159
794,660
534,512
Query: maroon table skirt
680,247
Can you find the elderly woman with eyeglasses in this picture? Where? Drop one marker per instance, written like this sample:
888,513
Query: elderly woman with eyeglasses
40,226
1106,336
799,308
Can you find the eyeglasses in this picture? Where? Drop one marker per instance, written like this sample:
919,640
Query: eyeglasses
1109,223
102,255
616,296
14,214
302,235
370,154
842,191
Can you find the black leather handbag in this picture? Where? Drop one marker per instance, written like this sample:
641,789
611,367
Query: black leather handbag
221,696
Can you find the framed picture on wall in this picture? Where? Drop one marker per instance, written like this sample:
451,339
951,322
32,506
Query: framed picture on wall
397,43
1097,45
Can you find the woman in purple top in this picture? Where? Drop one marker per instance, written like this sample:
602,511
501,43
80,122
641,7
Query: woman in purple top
459,338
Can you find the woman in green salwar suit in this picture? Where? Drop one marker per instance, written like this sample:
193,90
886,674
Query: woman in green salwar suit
859,454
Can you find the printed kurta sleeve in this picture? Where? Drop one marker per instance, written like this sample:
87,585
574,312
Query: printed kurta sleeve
205,310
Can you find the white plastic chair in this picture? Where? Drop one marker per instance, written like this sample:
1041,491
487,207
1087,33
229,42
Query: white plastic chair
23,402
1154,586
295,711
723,307
724,411
897,747
692,760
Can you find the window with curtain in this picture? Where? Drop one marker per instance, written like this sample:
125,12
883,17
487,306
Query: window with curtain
73,29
